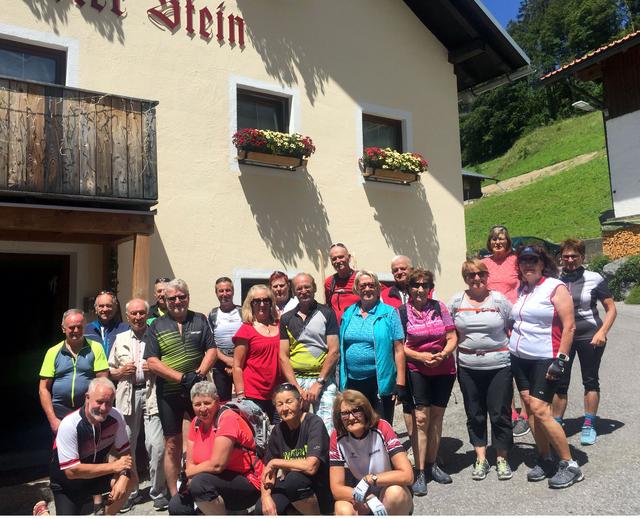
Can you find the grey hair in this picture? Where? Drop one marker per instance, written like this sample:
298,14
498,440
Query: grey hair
204,388
178,285
402,257
359,274
146,305
101,381
71,311
114,300
303,274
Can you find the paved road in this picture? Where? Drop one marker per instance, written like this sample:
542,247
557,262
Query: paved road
611,466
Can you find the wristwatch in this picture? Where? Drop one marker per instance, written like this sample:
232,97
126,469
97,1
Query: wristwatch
374,479
321,381
563,356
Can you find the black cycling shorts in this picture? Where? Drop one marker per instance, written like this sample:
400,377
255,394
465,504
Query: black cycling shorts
171,409
428,390
531,375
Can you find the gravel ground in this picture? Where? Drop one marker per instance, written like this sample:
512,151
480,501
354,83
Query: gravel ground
611,485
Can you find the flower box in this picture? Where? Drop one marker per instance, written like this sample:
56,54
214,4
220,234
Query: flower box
256,158
272,149
387,165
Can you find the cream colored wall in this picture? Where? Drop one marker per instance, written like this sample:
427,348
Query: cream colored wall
214,219
85,265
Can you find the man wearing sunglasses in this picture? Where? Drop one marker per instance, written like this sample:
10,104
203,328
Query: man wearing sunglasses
180,350
107,323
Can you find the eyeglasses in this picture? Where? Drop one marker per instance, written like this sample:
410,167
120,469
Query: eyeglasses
367,285
472,275
106,292
263,301
287,387
570,256
424,285
162,280
337,244
173,299
357,412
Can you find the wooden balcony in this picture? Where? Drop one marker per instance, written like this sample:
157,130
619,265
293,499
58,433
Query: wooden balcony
75,147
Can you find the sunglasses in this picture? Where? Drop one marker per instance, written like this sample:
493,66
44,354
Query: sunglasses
106,292
173,299
357,412
337,244
367,285
472,275
162,280
263,301
570,256
425,286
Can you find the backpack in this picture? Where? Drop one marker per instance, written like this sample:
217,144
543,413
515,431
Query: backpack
257,420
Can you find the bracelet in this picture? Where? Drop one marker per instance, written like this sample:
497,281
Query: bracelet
126,473
238,393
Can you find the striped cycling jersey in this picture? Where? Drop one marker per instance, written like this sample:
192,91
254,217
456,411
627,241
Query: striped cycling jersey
71,376
536,325
184,352
80,441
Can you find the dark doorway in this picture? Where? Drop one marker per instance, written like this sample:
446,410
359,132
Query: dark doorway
36,294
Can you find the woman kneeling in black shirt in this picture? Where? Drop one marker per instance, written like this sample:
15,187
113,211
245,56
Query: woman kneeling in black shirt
299,449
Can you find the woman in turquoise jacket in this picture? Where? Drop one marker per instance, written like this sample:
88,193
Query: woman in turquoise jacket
371,347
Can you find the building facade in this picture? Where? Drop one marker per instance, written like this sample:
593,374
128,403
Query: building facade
113,190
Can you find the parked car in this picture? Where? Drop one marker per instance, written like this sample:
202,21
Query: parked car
553,249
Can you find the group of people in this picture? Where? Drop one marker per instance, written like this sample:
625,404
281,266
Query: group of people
326,377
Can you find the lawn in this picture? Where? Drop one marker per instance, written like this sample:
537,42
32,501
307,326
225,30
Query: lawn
554,208
546,146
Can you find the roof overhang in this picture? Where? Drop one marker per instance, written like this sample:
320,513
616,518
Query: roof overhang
587,67
482,53
473,174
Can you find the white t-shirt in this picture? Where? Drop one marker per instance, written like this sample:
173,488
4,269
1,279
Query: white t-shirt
227,324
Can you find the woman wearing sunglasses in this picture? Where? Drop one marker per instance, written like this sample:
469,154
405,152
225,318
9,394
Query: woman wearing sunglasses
296,475
540,342
429,344
482,319
371,352
590,339
370,472
257,346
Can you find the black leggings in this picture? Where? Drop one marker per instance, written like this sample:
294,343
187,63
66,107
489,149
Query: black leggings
222,381
77,498
236,490
590,358
369,387
488,392
294,487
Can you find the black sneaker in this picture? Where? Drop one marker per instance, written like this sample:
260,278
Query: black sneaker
420,485
440,476
160,503
128,505
568,474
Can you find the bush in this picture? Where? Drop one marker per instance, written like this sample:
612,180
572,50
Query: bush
628,274
597,264
634,296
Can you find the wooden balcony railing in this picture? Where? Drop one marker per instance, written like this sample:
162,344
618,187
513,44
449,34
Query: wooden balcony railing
70,145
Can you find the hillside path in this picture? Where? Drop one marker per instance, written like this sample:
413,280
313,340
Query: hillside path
516,182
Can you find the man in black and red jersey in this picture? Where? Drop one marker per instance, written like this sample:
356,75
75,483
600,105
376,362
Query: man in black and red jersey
180,350
338,288
80,467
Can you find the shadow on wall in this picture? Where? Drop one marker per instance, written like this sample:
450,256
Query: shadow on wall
415,236
160,265
294,222
107,23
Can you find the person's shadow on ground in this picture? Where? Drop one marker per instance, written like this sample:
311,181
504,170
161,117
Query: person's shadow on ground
573,426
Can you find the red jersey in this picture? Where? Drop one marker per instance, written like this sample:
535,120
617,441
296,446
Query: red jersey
338,293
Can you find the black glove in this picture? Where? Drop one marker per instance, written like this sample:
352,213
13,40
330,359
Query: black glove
556,369
403,394
189,379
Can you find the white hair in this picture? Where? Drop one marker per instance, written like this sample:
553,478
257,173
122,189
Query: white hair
71,311
178,285
101,381
399,257
146,305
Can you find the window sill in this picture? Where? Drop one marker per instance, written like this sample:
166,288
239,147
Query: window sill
268,160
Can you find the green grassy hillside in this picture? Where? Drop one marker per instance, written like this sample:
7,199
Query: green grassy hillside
555,208
546,146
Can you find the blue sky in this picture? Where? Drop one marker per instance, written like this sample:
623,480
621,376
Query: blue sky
502,10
